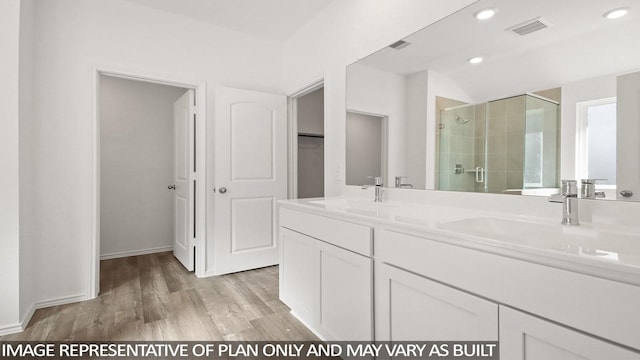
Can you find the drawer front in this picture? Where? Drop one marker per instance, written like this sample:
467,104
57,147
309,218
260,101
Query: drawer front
601,307
347,235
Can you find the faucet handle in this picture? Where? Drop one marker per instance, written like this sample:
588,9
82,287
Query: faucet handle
377,180
588,189
569,188
591,181
399,180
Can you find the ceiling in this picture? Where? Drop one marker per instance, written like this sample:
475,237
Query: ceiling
580,44
272,19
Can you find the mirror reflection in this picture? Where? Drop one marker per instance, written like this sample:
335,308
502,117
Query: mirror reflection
502,146
509,104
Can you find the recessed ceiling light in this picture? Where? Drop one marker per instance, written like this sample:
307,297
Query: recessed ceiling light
484,14
475,60
616,13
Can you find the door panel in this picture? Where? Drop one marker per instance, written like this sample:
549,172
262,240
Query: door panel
183,175
250,175
249,223
412,307
346,288
252,127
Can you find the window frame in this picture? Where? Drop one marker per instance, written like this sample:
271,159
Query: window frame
582,157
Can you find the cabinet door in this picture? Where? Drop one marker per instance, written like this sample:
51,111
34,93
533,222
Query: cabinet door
527,337
298,274
346,296
413,308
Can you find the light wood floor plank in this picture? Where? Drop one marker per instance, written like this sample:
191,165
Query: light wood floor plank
152,297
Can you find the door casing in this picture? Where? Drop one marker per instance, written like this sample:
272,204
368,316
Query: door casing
199,86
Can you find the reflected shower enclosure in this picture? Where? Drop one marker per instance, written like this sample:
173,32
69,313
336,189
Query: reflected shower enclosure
507,146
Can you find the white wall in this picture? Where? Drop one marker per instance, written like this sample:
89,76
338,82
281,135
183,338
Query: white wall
375,92
573,93
342,33
9,163
27,241
136,166
416,129
72,39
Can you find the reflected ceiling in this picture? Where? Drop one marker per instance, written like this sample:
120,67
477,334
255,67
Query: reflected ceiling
579,35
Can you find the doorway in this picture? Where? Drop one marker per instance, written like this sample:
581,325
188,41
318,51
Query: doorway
137,165
366,149
307,123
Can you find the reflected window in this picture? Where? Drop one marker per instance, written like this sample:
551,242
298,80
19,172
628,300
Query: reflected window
534,149
596,155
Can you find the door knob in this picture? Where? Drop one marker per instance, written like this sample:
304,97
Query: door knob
222,190
172,187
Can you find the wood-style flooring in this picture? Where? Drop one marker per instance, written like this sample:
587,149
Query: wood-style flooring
152,297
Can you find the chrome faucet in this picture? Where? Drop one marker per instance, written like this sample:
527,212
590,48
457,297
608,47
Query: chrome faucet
588,189
400,184
569,199
378,185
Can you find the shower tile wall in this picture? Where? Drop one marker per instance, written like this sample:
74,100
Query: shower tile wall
505,144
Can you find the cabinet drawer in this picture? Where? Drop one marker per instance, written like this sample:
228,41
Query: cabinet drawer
347,235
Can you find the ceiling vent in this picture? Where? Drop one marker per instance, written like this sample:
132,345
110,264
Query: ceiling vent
400,44
530,26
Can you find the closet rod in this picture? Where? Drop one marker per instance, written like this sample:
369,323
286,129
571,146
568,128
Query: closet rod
311,135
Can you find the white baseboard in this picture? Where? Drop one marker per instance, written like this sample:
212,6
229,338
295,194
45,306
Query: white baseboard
60,301
27,317
210,273
12,329
122,254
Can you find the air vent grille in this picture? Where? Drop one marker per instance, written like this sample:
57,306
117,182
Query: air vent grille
400,44
530,26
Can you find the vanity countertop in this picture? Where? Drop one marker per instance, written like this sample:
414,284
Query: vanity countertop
595,249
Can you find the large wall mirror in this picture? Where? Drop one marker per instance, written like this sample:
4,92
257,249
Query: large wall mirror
510,104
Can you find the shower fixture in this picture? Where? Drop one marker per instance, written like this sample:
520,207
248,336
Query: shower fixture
460,120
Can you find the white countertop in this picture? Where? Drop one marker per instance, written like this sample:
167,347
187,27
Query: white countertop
595,249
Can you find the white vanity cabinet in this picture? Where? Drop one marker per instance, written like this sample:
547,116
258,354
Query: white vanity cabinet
434,285
410,307
526,337
326,274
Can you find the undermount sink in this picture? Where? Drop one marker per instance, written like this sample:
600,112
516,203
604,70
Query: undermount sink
580,240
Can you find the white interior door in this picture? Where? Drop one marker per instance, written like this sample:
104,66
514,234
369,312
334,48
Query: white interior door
250,176
628,133
183,177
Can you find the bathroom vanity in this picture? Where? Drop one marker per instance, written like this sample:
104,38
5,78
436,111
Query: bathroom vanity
354,269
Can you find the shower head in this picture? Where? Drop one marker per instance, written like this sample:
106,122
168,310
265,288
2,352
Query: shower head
462,120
